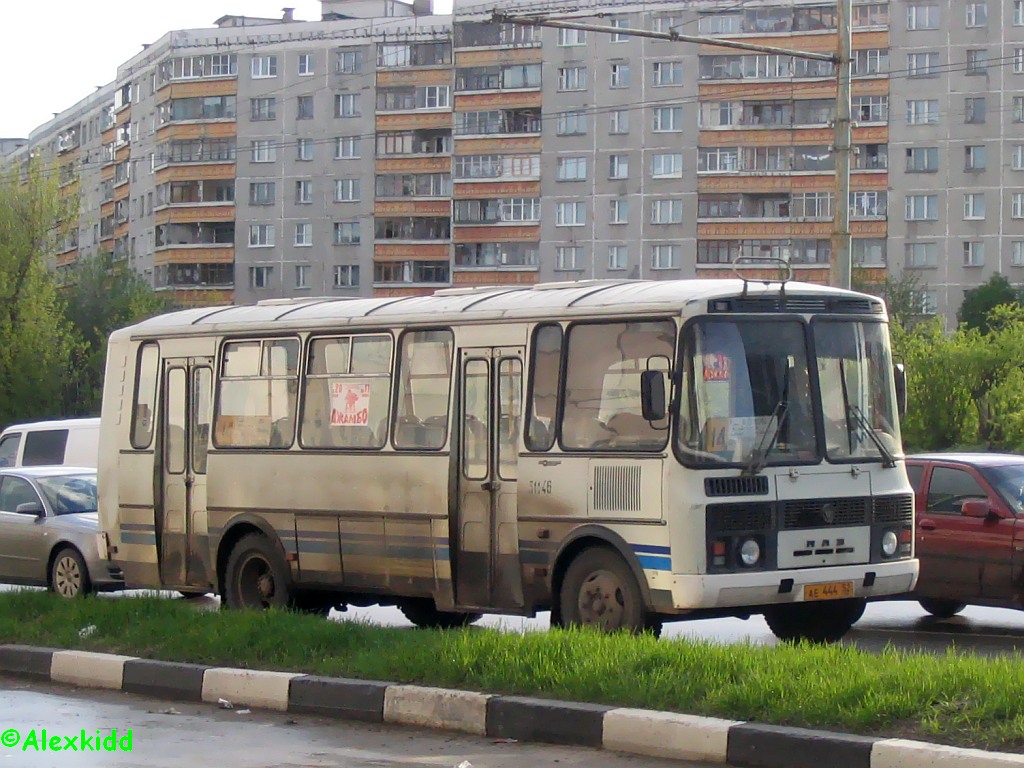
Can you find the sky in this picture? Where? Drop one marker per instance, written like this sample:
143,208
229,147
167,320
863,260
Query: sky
56,54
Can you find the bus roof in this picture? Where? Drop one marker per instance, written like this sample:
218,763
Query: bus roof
544,300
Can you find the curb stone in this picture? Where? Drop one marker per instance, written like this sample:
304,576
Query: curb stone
631,731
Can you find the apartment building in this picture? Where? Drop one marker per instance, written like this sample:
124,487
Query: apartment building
384,150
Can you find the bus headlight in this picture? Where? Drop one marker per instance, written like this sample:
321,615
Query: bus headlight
750,552
890,543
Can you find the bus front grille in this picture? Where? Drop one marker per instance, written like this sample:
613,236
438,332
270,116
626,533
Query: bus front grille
732,518
736,486
819,513
894,509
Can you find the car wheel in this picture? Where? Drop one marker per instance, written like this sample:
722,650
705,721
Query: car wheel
600,591
422,611
69,576
941,609
257,575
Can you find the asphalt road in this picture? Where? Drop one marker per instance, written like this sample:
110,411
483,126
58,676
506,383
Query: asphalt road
172,734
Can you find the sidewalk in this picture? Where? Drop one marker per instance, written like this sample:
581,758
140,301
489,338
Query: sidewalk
633,731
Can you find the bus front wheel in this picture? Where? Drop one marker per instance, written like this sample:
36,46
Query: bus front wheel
600,591
257,575
816,622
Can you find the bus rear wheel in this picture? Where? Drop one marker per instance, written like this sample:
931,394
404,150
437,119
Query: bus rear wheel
422,611
600,591
257,575
816,622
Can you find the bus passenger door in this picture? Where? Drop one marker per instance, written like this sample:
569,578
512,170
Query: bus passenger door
182,529
487,570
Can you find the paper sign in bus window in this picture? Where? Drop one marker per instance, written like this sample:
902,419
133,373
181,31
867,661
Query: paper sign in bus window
350,403
723,434
716,367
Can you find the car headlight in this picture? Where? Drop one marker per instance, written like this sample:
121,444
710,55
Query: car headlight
890,543
750,552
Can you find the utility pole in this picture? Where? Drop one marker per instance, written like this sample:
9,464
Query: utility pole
839,261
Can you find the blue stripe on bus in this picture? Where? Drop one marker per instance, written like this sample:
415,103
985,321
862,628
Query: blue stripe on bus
651,563
650,548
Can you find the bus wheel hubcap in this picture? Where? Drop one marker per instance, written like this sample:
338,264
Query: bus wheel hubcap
601,601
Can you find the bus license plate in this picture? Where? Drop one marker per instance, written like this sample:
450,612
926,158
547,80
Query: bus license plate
829,590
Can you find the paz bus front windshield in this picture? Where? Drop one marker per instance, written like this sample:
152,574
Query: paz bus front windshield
753,392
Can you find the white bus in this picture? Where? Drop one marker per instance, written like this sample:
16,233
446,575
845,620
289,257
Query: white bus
620,453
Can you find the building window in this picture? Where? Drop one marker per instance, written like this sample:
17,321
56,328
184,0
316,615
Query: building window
260,277
349,62
922,16
346,148
618,121
346,275
1017,253
667,165
619,76
868,204
1017,205
922,159
261,235
975,157
572,78
1018,61
667,24
618,166
869,61
304,191
304,108
571,169
667,211
264,151
668,119
261,192
346,105
1018,13
618,210
346,190
303,234
571,124
571,214
665,257
923,64
870,109
922,208
568,258
618,257
304,149
302,275
618,37
346,233
977,14
264,66
974,253
977,61
974,205
1018,109
868,251
668,73
571,37
921,255
718,159
263,108
306,63
1017,157
922,111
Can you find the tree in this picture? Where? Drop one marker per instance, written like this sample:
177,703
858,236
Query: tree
902,296
36,342
979,302
104,294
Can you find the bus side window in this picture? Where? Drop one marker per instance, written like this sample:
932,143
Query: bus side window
424,376
545,368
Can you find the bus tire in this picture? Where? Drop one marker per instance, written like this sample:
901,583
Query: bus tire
422,611
600,591
69,576
941,609
824,622
257,575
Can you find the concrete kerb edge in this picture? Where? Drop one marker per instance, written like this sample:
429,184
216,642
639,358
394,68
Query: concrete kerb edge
683,737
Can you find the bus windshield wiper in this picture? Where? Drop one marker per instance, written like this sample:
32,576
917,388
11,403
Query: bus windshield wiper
865,426
758,457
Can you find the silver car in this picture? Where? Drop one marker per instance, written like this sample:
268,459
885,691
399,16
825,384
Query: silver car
48,527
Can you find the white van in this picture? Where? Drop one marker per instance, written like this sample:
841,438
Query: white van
74,442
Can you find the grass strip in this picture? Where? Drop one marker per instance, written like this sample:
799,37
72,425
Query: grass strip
956,698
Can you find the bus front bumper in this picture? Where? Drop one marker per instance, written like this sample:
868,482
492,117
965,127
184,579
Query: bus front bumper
690,592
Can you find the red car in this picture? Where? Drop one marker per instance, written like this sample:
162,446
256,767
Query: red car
968,541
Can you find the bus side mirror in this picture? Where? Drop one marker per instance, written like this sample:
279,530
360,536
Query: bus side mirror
652,395
900,376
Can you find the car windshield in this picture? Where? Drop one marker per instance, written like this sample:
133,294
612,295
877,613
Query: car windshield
1008,481
69,494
